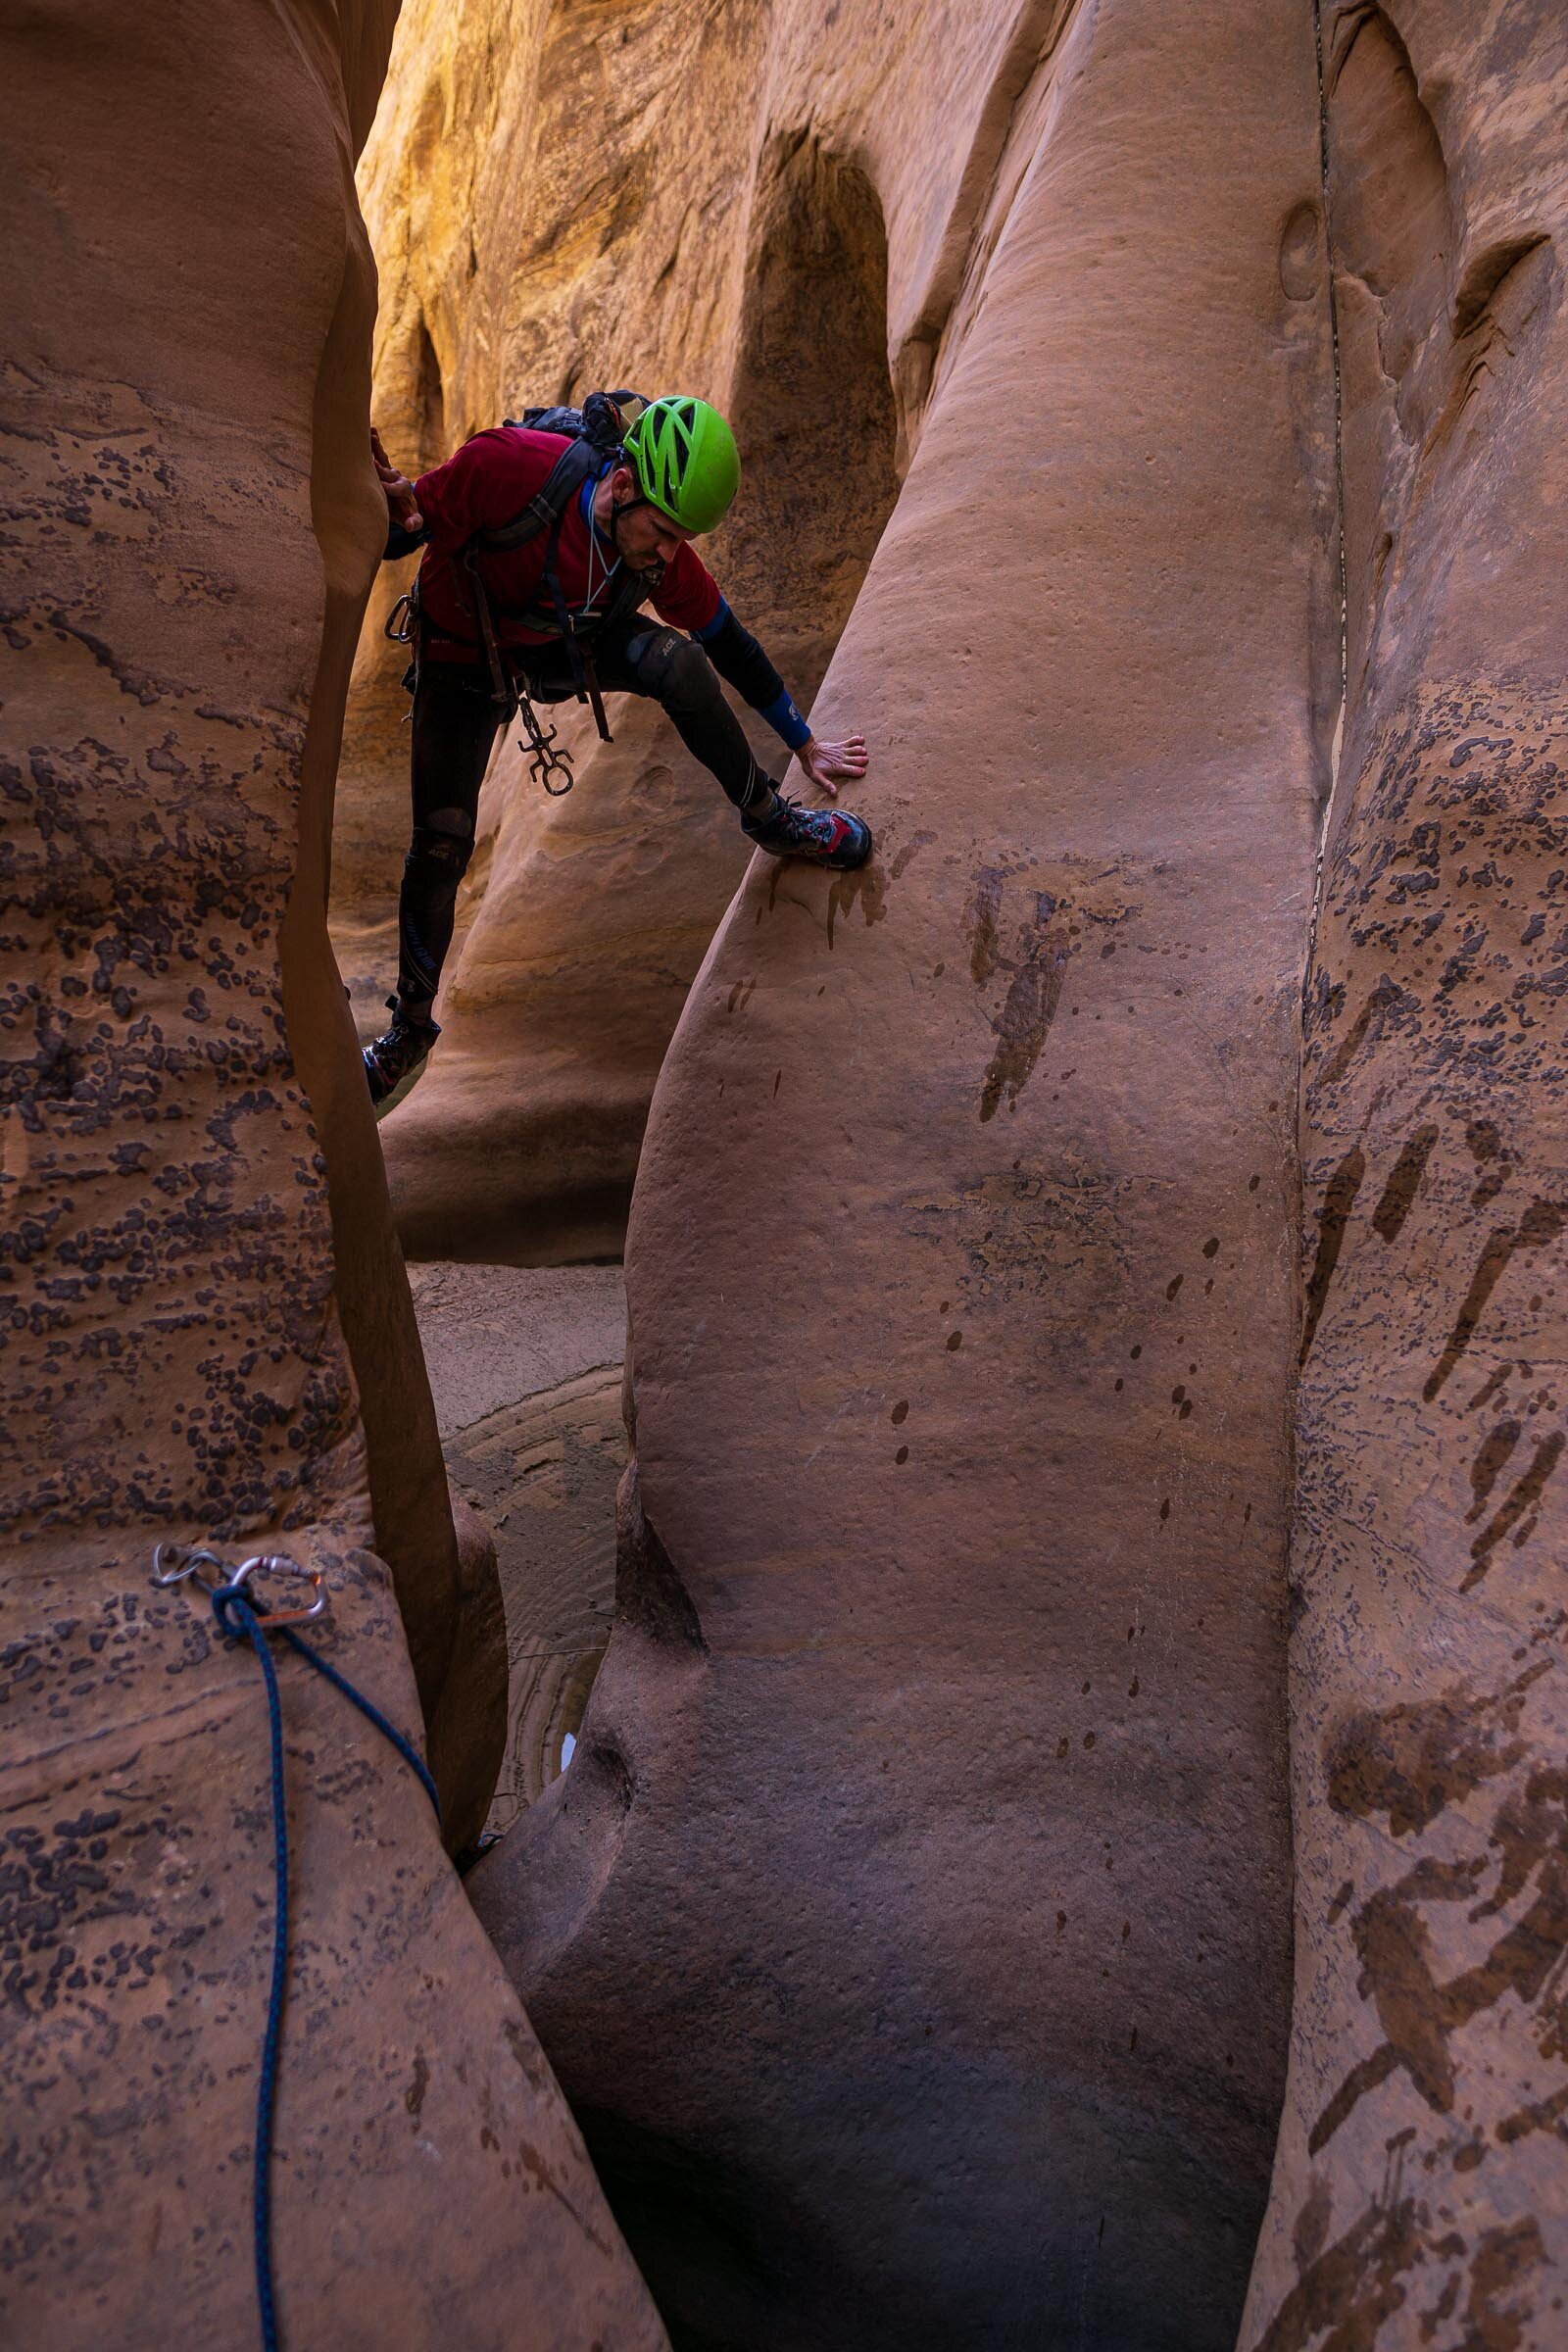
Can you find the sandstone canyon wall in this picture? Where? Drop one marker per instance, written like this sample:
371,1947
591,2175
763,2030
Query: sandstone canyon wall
209,1333
1420,2192
1031,1311
911,1930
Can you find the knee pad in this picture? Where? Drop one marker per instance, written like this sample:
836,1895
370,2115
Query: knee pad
439,856
674,671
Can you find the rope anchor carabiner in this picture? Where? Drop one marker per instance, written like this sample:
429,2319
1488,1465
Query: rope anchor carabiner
173,1564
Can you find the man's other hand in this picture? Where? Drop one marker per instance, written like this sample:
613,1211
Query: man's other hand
830,765
401,503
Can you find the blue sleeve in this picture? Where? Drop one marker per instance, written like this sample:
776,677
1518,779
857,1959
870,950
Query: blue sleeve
735,656
786,721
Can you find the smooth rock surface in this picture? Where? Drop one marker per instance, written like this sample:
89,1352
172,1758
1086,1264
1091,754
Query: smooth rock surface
1421,2194
208,1333
912,1931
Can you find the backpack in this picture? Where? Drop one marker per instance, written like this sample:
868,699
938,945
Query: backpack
605,420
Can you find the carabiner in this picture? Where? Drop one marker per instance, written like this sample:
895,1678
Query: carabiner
279,1563
173,1564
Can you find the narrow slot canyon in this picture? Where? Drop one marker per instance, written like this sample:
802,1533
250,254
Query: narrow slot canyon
926,1490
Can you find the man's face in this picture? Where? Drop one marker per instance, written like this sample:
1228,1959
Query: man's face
645,535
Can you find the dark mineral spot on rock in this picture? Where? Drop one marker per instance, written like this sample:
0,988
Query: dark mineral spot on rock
1412,1761
1399,1193
981,923
1495,1449
1519,1506
1542,1223
1490,1388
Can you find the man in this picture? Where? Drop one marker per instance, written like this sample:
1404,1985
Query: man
517,595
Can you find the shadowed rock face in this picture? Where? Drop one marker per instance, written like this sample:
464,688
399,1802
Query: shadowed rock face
208,1331
912,1926
1419,2194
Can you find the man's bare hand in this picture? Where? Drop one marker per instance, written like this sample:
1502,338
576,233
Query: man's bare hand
401,503
830,765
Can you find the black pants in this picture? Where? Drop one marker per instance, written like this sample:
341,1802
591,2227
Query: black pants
455,726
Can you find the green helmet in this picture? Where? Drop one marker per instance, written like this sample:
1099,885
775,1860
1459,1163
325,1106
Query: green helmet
685,459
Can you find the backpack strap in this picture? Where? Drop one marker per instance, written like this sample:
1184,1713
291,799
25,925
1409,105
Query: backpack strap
563,625
576,462
546,510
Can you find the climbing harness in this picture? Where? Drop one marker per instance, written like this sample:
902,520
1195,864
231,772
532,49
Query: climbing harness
239,1620
402,627
577,464
595,434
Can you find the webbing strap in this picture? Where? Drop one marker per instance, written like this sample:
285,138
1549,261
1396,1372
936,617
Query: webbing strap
566,477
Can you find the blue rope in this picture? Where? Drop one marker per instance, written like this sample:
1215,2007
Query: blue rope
372,1714
237,1621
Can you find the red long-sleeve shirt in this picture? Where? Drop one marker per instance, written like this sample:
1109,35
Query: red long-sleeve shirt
487,484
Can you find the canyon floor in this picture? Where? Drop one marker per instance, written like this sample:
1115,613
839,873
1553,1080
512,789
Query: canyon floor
525,1367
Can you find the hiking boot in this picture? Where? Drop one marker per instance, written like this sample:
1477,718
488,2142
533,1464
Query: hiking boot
397,1054
827,836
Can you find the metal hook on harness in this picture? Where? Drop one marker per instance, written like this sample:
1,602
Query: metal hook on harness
541,742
